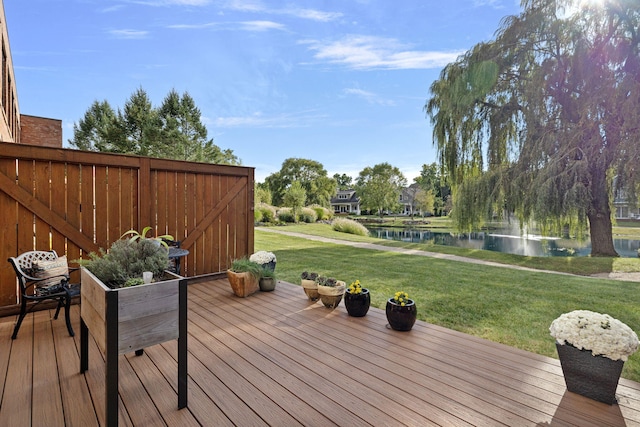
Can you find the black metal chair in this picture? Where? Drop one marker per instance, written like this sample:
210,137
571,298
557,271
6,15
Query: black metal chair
37,287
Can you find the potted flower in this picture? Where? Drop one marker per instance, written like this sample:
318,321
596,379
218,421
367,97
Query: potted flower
330,290
244,276
357,299
308,283
401,312
265,259
268,279
592,348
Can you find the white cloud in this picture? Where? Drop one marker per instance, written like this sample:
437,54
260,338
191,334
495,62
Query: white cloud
370,97
114,8
253,26
258,7
129,34
297,120
261,26
314,15
496,4
171,2
371,52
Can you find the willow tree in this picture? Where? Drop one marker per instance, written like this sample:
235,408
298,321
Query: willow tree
539,121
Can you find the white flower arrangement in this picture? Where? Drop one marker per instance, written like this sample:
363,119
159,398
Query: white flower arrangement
600,333
262,257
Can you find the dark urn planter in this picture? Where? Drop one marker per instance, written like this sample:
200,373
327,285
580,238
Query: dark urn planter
267,284
271,265
357,304
595,377
401,318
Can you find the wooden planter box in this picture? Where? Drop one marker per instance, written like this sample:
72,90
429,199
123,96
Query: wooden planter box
129,319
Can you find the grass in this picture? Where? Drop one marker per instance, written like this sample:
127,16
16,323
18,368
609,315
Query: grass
584,266
503,305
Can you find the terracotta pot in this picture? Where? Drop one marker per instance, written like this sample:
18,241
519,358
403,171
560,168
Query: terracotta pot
242,284
401,318
595,377
357,305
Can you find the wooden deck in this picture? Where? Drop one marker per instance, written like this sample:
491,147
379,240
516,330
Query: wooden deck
276,359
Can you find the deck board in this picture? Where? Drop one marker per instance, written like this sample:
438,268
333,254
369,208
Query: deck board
276,359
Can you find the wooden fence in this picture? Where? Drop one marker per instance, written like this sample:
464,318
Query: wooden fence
76,202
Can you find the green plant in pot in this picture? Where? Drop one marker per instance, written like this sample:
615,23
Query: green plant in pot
244,276
135,235
268,279
308,283
126,261
330,290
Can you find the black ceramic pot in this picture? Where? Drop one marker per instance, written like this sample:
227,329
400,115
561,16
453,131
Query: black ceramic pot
401,317
357,304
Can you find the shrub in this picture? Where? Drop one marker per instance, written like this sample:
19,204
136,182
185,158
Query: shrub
127,259
265,213
308,215
286,215
350,226
322,213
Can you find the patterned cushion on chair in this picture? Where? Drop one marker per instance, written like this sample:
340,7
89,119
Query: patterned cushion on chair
51,271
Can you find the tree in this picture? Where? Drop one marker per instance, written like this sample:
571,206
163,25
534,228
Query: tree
93,131
554,101
262,194
310,174
425,201
140,124
174,130
379,187
344,181
431,180
295,197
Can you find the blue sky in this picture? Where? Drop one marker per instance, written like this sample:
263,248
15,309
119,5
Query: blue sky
340,82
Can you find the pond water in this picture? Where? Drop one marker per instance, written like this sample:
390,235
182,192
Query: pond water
528,245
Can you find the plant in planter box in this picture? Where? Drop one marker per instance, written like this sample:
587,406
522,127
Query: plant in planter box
125,314
244,276
330,290
268,279
308,283
592,348
126,261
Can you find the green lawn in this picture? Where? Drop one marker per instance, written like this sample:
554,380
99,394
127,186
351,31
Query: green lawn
504,305
585,266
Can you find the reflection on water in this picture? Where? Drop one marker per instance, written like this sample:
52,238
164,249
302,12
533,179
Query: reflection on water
519,245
